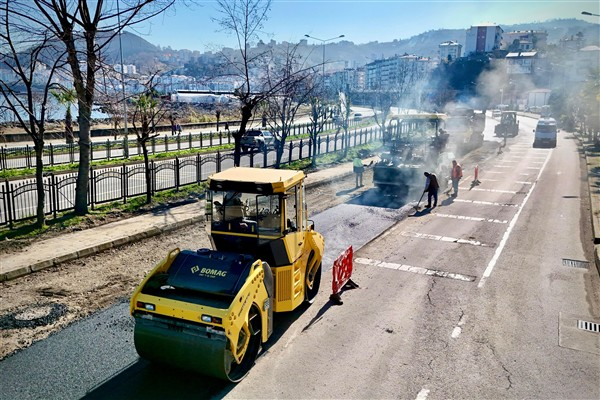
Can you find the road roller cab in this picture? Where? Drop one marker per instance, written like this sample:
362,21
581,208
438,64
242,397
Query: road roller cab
210,310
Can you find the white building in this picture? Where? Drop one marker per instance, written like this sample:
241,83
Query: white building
450,50
521,62
396,72
528,40
483,38
128,69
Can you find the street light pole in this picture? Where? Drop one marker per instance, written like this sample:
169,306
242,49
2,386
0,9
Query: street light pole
589,13
323,41
126,138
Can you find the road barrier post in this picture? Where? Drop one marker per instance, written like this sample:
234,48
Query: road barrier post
342,271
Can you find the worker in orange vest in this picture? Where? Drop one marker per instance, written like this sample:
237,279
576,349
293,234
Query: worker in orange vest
455,176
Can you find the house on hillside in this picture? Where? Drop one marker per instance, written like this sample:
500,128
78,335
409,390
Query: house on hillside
449,51
521,62
525,40
484,38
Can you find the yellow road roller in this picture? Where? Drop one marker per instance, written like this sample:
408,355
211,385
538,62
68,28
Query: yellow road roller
210,310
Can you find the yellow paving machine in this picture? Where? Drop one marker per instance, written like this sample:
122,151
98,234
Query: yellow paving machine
210,310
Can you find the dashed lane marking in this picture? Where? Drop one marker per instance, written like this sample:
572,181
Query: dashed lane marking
415,270
503,166
443,238
524,183
458,329
485,203
488,271
422,395
477,219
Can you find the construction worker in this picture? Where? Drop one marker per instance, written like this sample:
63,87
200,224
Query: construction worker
358,169
431,187
455,175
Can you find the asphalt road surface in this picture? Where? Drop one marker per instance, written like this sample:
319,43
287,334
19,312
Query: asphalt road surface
473,299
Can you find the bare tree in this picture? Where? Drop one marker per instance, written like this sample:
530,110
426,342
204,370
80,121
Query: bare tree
293,89
244,19
381,102
147,108
66,97
25,55
318,117
78,26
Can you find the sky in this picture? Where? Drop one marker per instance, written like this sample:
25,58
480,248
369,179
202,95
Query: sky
360,21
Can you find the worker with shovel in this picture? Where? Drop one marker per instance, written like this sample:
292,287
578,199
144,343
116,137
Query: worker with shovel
431,187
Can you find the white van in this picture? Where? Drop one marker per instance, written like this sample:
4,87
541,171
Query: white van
545,133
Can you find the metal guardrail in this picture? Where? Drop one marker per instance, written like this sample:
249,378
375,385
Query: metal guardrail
18,200
21,157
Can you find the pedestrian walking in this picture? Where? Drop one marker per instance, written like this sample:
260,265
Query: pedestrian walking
358,168
173,126
455,175
227,126
431,187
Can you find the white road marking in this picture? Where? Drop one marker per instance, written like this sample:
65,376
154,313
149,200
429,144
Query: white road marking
532,167
493,190
485,203
503,166
500,248
457,330
415,270
423,394
442,238
494,172
477,219
524,174
524,183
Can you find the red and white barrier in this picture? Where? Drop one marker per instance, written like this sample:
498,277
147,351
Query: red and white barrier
342,271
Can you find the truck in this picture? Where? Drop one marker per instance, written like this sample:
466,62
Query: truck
508,126
412,144
545,133
211,310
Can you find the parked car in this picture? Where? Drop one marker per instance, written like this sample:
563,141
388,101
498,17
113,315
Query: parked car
257,139
496,113
357,116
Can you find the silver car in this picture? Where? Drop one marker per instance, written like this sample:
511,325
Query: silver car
257,139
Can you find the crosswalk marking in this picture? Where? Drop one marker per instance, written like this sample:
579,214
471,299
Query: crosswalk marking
493,190
485,203
443,238
415,270
477,219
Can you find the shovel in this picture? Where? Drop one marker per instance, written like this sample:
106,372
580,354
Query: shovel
419,202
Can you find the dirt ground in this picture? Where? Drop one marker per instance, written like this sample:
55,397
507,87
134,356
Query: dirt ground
35,306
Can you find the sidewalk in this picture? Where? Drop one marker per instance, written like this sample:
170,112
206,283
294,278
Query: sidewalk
74,245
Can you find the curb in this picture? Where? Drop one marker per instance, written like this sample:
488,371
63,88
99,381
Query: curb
135,237
88,251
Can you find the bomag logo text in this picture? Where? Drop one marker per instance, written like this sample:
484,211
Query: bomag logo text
213,272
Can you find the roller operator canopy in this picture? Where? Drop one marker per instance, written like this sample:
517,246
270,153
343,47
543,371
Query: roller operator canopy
255,180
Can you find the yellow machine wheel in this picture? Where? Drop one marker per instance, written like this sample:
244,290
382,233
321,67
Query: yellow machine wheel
237,371
312,284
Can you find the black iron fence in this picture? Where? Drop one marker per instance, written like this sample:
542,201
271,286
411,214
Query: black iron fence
19,157
18,199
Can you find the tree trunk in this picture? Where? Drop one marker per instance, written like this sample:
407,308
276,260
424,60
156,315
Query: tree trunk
83,173
246,115
147,172
39,183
